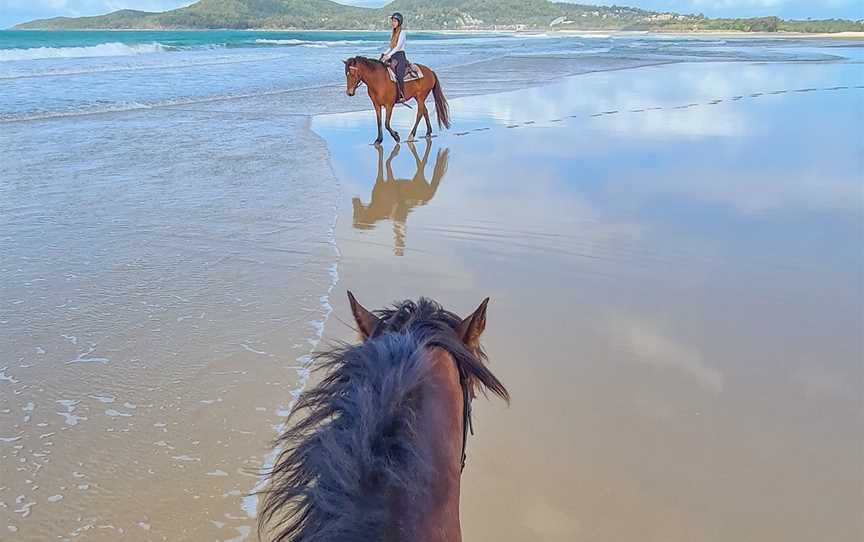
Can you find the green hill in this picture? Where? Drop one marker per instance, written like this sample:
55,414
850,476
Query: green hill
424,15
327,15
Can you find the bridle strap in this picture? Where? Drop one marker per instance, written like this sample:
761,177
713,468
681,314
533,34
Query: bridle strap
467,424
359,79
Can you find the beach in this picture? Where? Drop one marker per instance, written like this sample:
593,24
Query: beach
669,232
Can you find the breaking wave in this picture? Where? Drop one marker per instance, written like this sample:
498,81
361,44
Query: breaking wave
101,50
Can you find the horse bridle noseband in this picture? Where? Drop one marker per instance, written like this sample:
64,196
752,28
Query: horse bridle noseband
359,80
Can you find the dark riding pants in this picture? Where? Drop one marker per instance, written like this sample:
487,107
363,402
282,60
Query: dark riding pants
400,64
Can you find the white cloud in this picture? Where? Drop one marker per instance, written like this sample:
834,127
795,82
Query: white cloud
91,6
16,11
648,343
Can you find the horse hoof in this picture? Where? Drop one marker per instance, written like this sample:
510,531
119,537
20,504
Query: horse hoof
396,137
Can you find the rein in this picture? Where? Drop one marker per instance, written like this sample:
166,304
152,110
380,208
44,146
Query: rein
467,424
358,84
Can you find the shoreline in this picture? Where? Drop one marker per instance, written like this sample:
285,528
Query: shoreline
354,105
732,34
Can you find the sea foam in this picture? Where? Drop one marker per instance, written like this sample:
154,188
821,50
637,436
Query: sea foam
306,43
103,49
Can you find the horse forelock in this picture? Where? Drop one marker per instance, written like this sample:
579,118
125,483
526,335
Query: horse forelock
435,326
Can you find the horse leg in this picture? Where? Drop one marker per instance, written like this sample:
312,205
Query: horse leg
426,117
421,107
380,137
393,133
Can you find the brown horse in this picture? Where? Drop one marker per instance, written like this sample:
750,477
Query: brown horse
378,450
382,91
394,198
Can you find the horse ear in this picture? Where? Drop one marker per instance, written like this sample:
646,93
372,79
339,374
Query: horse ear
366,321
472,327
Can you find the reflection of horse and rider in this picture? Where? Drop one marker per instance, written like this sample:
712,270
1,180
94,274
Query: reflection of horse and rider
386,92
394,198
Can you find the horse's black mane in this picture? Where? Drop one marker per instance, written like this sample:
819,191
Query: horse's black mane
353,443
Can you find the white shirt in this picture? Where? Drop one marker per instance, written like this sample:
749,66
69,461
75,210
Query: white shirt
400,46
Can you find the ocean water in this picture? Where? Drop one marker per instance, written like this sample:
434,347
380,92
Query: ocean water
47,74
167,219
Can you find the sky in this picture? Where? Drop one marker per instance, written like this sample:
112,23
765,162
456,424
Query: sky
17,11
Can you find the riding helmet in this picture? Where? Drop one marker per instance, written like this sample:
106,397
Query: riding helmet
398,17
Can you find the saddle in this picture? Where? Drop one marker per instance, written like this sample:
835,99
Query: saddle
412,73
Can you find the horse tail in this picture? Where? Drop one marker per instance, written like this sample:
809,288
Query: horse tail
442,108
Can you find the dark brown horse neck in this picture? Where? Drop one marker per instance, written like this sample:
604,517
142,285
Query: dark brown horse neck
433,514
377,451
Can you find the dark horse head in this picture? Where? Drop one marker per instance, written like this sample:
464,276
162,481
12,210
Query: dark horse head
353,75
376,449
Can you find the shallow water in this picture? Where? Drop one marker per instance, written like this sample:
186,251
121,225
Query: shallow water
51,74
676,293
167,270
156,316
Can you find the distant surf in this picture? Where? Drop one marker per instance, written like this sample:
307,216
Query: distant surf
101,50
308,43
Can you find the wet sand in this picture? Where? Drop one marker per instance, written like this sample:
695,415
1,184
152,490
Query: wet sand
150,337
673,254
674,259
166,273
